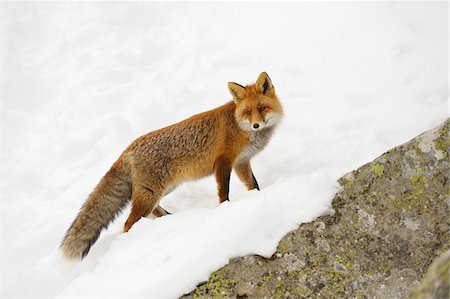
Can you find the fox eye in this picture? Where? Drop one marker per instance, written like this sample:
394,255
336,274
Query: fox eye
262,108
247,112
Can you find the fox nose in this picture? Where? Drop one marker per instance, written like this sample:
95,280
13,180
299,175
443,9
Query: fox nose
255,126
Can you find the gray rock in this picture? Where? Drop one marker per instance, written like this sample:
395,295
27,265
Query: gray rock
435,284
391,220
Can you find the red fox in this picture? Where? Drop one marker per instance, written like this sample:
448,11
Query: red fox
215,141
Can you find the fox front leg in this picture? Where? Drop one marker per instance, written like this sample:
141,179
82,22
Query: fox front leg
245,174
222,169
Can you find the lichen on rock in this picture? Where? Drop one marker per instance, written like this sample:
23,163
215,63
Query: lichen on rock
391,220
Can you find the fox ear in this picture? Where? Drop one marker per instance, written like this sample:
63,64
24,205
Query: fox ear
237,91
264,84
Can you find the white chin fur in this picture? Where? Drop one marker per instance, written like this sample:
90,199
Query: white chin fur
273,119
245,125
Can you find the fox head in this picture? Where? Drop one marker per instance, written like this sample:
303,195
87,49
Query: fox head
257,106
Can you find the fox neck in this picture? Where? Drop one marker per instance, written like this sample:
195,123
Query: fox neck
258,140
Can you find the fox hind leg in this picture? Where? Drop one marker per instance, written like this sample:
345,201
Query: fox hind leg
158,212
144,201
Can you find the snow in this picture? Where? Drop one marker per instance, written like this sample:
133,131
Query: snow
81,80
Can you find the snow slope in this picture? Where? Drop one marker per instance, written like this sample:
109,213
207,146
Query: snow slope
81,80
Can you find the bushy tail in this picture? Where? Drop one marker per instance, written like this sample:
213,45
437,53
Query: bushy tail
106,201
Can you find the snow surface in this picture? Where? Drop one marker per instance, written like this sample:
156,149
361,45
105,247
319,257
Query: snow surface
81,80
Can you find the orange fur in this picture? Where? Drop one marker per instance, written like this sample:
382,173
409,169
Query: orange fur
215,141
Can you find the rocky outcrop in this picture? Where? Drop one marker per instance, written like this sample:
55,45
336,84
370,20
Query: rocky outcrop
391,220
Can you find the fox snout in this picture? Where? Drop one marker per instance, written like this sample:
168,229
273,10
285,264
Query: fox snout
257,121
258,126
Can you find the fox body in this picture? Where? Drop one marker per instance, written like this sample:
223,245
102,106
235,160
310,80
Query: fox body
213,142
